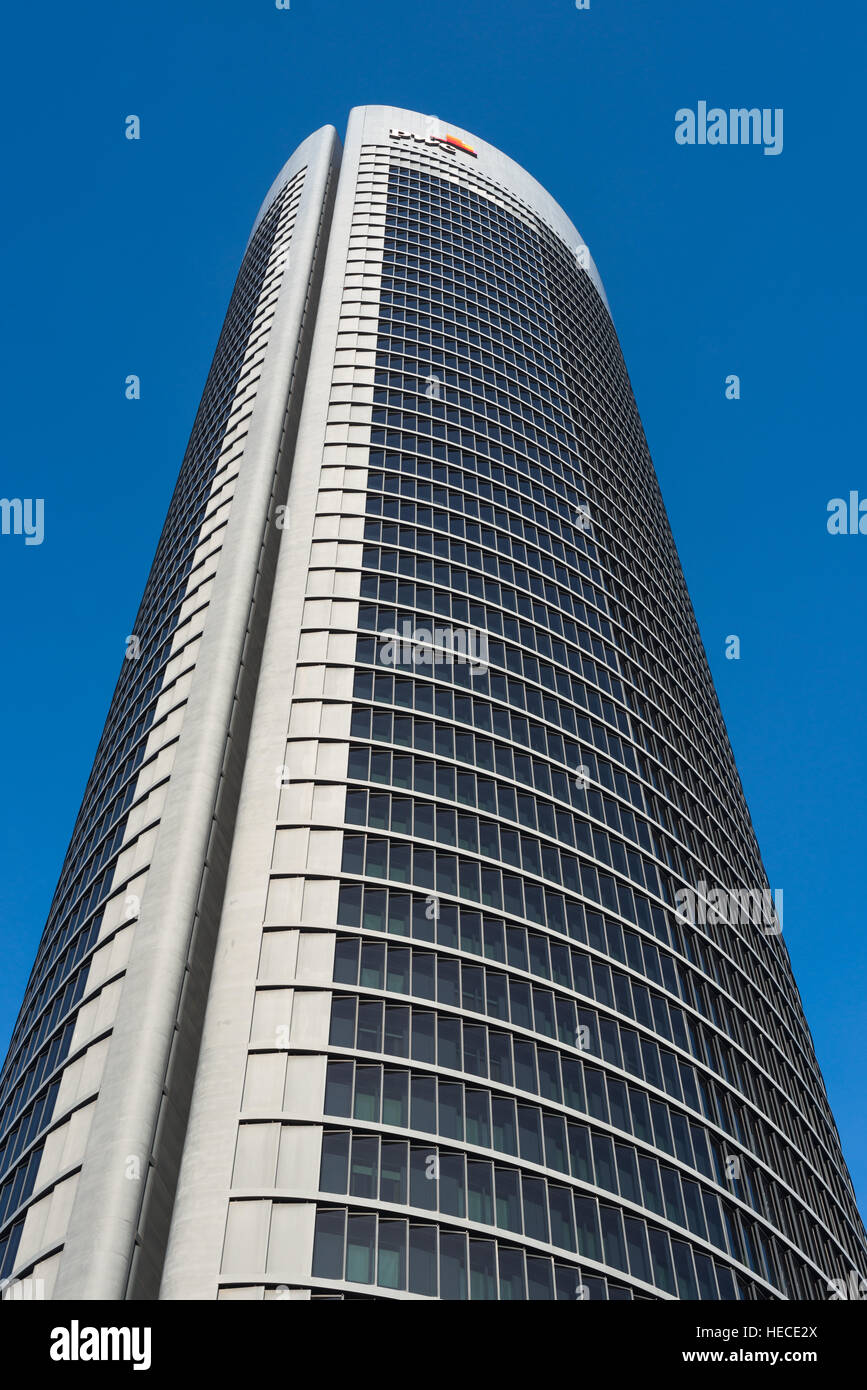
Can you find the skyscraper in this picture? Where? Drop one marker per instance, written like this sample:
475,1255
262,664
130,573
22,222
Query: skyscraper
413,939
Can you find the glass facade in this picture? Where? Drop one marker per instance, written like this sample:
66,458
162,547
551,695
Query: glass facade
617,1100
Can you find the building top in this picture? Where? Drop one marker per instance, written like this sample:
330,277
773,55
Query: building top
393,127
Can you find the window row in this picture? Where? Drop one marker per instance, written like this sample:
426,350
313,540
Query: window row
401,655
492,838
589,427
423,1258
468,784
489,937
450,1042
479,989
493,1194
475,710
503,720
470,473
399,1030
475,1115
28,1071
481,567
413,477
614,421
559,710
702,791
9,1243
441,873
535,631
545,375
51,1057
18,1186
427,919
380,619
686,858
402,861
465,489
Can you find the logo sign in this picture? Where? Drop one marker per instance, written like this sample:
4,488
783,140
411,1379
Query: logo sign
451,142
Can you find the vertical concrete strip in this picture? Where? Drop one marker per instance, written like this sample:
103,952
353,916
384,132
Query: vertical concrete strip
173,945
193,1258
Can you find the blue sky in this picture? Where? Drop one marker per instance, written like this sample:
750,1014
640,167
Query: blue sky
119,257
